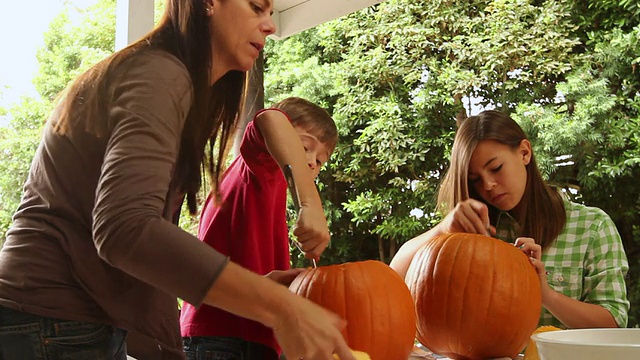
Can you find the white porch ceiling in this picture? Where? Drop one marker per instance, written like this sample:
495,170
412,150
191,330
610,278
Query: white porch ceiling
293,16
134,18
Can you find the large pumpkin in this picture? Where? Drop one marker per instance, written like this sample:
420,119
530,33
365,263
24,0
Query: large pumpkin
372,298
476,297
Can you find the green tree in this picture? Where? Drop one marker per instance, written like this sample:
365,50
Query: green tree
71,48
18,142
401,72
397,75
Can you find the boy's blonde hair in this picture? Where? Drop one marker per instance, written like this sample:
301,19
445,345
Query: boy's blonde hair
310,117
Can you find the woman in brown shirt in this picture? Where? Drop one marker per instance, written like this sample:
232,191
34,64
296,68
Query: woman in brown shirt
94,252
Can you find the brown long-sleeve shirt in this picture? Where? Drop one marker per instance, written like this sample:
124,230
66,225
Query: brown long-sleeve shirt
92,239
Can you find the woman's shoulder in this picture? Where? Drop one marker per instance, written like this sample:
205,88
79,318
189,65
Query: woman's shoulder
158,57
154,70
154,63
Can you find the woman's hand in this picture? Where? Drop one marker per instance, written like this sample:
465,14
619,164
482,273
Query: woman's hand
284,277
469,216
310,332
312,231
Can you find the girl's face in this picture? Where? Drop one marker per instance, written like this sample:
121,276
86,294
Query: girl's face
317,152
239,29
498,173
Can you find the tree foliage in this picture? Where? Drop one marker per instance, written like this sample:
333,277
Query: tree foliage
70,48
398,75
18,142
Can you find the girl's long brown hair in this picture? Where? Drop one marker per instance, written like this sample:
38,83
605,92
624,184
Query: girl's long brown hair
184,32
541,211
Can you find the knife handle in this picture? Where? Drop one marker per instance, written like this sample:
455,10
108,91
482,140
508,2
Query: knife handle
291,183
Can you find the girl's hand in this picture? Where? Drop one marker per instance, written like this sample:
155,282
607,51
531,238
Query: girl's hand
469,216
534,251
312,231
284,277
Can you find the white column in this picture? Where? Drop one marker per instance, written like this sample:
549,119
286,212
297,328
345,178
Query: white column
134,18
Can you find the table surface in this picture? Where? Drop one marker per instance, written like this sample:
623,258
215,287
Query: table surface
420,353
416,354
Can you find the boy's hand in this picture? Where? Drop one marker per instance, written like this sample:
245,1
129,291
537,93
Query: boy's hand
312,231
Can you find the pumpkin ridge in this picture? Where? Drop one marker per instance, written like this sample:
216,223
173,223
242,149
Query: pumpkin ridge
509,338
466,297
368,312
412,279
379,319
386,322
506,334
440,257
341,290
314,275
431,265
516,266
495,280
528,290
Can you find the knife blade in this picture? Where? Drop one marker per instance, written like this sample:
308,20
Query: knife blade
291,184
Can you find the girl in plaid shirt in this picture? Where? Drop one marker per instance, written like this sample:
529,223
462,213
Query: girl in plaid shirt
493,187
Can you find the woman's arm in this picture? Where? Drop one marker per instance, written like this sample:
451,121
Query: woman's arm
303,329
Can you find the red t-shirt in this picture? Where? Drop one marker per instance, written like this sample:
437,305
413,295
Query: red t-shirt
250,227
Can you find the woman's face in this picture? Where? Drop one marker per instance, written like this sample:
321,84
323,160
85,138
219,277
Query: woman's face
239,29
498,174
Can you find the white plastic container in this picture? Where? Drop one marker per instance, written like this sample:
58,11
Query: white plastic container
589,344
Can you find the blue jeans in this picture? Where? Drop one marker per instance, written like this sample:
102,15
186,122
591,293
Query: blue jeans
24,336
225,348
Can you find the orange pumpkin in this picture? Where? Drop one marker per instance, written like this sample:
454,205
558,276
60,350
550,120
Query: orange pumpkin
373,299
476,297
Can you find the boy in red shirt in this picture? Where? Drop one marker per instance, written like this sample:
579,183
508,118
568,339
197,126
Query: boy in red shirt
248,223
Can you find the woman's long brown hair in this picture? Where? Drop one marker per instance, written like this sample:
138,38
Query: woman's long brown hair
184,32
541,211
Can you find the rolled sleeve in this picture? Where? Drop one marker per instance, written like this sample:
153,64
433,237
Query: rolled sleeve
606,268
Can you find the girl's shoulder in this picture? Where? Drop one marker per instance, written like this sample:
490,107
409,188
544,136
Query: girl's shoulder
584,217
581,210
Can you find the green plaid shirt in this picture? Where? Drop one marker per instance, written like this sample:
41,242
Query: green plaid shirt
587,262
